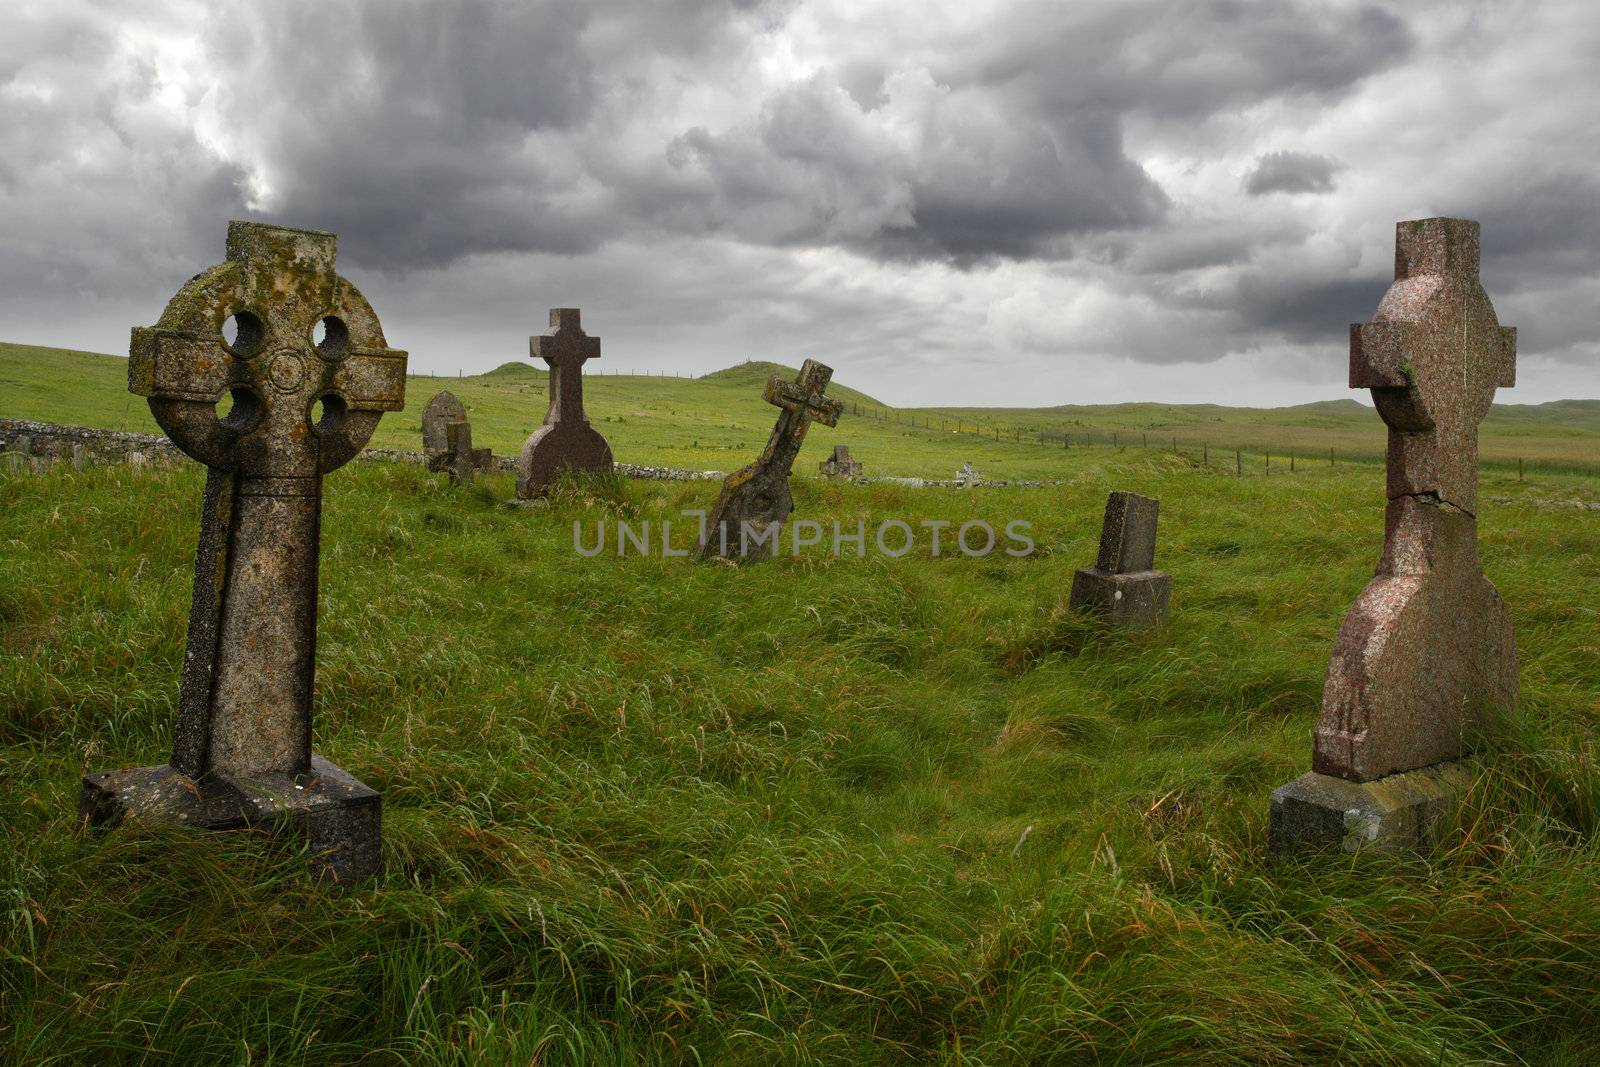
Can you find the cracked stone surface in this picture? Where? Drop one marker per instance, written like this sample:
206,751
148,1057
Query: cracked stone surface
759,494
300,408
1124,585
566,441
1425,661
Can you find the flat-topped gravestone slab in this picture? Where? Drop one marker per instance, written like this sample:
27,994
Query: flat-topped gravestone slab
566,441
840,465
301,407
1123,585
1425,662
447,440
756,498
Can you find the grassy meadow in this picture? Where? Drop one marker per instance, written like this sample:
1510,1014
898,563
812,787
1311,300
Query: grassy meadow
719,421
818,810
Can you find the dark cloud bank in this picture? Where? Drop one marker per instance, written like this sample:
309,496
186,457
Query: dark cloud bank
1190,164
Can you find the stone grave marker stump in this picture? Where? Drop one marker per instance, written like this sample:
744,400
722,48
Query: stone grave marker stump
840,465
759,493
566,441
301,408
1425,662
1124,585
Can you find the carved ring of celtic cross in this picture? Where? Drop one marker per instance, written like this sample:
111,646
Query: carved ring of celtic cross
277,286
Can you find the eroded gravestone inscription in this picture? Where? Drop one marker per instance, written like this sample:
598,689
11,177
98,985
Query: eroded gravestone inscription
840,465
756,498
1124,585
447,440
1425,662
566,441
301,407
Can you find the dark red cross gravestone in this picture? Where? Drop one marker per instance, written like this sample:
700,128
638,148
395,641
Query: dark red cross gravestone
301,407
1425,662
566,441
759,495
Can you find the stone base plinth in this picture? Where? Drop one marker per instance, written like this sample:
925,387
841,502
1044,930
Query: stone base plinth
1140,598
1399,812
341,816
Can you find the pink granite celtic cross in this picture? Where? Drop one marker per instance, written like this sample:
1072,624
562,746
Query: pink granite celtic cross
1425,659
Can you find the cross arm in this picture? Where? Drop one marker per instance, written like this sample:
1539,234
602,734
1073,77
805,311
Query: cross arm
372,379
177,365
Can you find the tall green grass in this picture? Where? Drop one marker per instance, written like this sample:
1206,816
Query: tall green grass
813,811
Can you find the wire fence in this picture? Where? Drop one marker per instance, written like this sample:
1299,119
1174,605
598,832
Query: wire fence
1255,458
1252,458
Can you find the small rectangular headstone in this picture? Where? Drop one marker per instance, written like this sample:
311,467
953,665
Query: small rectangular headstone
1123,585
1128,537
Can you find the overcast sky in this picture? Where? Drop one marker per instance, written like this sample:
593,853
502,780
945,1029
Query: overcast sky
1005,202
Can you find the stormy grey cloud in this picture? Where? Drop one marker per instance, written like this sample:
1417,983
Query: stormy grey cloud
1291,172
1005,201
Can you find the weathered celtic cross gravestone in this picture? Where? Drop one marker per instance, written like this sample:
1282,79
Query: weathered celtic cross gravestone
1425,661
840,465
1123,584
759,494
242,753
566,441
447,440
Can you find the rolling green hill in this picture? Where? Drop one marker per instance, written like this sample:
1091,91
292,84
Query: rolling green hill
718,421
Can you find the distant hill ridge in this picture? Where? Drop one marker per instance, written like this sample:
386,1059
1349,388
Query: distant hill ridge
34,366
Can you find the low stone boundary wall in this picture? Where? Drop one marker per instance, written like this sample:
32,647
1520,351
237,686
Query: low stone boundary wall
508,465
36,445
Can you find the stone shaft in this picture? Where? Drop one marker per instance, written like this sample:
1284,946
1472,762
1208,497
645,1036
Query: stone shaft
261,694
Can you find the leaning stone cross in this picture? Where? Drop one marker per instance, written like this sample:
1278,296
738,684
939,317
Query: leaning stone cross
1425,661
759,494
301,407
1124,585
566,441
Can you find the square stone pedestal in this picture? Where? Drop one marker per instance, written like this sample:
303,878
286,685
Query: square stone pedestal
1398,812
1139,598
341,816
